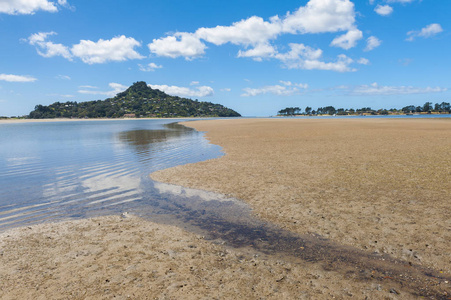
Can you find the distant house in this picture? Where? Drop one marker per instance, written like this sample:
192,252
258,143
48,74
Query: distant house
130,116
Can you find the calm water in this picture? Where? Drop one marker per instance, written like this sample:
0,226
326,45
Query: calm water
63,170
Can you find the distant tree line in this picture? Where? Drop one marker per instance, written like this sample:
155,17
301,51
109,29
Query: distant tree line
139,100
428,107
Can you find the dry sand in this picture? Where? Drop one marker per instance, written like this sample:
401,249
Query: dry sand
378,185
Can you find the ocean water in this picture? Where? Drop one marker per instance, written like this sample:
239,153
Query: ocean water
60,170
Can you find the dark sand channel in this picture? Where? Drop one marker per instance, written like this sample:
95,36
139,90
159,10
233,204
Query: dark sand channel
362,208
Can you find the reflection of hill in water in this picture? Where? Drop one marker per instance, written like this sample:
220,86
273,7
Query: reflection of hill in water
145,141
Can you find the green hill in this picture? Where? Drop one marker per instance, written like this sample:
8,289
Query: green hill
139,100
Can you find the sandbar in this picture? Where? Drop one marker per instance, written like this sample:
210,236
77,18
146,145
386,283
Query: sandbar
379,185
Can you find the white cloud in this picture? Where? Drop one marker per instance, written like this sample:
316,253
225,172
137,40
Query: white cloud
251,31
66,4
225,90
317,16
321,16
119,48
286,89
430,30
371,43
200,91
289,83
116,88
260,51
383,10
375,89
307,58
46,48
16,78
26,7
194,83
298,52
30,7
347,40
425,32
149,67
363,61
254,34
181,44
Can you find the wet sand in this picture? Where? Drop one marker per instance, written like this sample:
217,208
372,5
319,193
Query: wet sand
375,185
131,258
380,185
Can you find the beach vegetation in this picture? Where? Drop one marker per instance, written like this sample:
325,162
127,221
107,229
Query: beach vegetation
426,108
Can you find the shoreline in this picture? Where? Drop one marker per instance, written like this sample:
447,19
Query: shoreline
287,171
16,121
399,165
350,117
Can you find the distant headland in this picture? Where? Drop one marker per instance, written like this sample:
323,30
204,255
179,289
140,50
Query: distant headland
427,108
138,101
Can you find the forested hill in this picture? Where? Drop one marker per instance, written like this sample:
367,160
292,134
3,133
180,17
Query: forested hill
139,100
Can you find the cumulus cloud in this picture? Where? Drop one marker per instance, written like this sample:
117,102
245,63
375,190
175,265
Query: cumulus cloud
91,90
149,67
321,16
317,16
347,40
259,52
371,43
426,32
181,44
383,10
30,7
363,61
286,89
16,78
119,48
375,89
200,91
66,4
254,34
251,31
26,7
307,58
46,48
299,52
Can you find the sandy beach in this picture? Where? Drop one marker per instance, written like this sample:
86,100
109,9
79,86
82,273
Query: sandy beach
382,185
376,185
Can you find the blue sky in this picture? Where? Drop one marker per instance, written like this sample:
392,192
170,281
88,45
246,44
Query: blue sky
256,57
